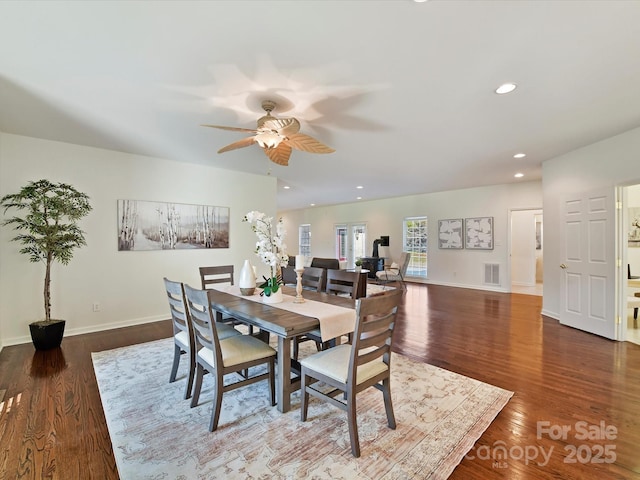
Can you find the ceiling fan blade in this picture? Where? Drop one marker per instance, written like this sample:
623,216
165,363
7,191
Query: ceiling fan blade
303,142
280,154
245,142
233,129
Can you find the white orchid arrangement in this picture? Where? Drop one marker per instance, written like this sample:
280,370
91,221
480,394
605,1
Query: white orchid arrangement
270,247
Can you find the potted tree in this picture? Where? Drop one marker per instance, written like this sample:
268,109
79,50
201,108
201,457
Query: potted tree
48,231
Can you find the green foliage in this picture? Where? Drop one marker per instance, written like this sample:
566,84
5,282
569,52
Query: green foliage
48,227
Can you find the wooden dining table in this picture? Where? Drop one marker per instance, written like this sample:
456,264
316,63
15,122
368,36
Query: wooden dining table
285,325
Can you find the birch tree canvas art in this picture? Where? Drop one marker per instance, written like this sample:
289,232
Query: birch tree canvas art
144,225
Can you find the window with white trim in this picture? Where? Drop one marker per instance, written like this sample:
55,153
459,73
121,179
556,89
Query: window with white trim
304,240
414,238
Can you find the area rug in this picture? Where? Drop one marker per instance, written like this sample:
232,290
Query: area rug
156,435
374,289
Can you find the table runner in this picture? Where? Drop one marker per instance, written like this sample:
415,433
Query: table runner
334,320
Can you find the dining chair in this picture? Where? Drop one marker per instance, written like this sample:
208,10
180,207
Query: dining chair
313,278
338,282
342,282
216,274
224,274
350,369
220,356
183,338
395,272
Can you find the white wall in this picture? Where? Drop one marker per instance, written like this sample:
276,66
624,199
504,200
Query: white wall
608,163
384,217
523,247
128,285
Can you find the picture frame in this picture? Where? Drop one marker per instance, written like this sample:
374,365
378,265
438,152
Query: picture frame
478,233
147,225
450,234
633,240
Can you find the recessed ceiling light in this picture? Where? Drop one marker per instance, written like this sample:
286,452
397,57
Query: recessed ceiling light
519,175
312,204
520,155
358,198
360,186
286,187
420,1
506,88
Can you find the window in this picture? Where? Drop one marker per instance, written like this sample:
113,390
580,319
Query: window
304,240
341,243
414,238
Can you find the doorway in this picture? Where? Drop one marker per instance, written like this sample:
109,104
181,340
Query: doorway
526,254
351,241
631,247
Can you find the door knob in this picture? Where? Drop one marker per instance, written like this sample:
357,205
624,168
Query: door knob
563,266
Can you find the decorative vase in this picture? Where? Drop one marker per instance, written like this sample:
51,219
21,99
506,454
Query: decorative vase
274,297
247,280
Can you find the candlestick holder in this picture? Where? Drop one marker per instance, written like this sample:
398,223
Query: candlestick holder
299,298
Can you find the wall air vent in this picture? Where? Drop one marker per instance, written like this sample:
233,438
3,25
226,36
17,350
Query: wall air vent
492,274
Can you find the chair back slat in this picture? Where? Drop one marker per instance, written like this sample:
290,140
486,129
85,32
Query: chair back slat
204,328
177,306
341,281
217,274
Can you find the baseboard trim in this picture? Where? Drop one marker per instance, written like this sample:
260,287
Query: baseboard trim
70,332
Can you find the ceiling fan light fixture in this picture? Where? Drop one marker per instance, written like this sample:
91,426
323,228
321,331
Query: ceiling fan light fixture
269,139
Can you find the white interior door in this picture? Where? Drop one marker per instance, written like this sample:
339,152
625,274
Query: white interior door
588,264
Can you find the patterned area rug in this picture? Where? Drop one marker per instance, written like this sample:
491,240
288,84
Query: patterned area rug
156,435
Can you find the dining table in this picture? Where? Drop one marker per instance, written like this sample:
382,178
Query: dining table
286,321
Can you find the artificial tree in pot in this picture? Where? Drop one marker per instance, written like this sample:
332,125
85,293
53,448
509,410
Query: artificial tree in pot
48,231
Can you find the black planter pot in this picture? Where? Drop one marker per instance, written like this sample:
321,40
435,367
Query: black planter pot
46,336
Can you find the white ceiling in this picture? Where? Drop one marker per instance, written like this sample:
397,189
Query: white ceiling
403,91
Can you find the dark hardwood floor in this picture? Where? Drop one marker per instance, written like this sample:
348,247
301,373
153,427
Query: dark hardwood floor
52,424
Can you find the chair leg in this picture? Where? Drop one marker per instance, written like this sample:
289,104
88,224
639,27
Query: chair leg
218,390
635,317
296,347
176,360
272,381
192,371
388,405
304,397
353,425
197,386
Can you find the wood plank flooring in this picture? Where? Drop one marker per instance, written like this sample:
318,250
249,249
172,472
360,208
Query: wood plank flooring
52,425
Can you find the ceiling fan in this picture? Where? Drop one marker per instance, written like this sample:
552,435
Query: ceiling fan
276,136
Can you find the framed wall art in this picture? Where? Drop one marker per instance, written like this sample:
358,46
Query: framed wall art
144,225
634,227
450,233
479,233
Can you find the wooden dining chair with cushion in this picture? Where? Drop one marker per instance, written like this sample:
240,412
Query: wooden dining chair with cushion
183,338
350,369
224,274
216,274
313,278
226,356
342,282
